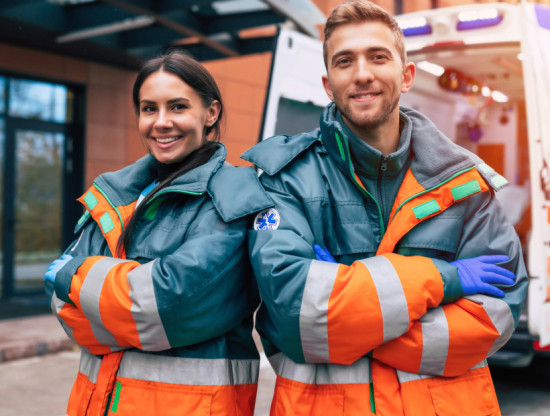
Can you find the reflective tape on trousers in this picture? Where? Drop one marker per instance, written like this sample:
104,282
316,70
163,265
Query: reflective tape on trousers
405,377
192,371
177,370
358,372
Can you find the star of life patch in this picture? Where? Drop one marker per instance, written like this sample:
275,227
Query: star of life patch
267,220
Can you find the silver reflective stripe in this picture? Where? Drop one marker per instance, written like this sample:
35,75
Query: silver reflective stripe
358,372
56,306
435,342
393,303
90,294
501,316
145,309
89,365
191,371
405,377
313,312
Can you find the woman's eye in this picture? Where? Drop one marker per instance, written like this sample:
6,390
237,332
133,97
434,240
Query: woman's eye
147,109
179,107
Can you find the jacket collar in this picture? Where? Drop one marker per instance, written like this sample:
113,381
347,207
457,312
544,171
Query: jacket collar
124,186
434,158
367,160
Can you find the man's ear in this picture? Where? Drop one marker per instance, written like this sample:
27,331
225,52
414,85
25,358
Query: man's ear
327,87
409,71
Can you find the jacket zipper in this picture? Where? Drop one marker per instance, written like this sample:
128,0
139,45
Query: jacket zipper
344,152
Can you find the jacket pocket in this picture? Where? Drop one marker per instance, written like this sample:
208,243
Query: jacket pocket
81,393
139,397
298,399
472,395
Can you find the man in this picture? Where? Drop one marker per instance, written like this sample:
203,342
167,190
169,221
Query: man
404,322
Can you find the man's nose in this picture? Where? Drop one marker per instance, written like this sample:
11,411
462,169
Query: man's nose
363,72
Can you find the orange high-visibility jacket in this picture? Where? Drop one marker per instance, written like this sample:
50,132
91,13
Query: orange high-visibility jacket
168,329
385,331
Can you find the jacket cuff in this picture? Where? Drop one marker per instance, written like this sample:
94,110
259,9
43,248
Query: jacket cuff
452,288
64,277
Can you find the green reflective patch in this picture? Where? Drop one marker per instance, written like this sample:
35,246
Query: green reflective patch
153,208
83,218
114,407
340,146
106,223
90,200
425,209
466,189
498,181
485,168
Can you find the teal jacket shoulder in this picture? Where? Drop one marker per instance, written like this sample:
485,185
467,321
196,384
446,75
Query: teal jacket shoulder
274,153
236,192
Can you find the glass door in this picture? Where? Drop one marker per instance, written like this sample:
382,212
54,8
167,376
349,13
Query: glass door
42,173
38,201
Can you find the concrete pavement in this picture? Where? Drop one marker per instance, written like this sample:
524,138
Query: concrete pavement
32,336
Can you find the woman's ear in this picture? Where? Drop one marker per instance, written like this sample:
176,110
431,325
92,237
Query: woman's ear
213,113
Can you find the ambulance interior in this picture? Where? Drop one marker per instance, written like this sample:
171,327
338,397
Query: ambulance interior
475,95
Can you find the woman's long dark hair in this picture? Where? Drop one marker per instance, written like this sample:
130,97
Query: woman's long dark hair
197,77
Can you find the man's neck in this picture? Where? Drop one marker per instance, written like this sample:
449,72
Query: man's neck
385,138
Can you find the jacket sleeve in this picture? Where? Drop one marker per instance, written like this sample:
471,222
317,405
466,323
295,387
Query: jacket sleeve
316,311
451,339
200,291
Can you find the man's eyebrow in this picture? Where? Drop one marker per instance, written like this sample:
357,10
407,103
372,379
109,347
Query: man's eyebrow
370,50
338,54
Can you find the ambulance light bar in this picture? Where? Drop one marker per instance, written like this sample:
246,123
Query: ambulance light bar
415,26
476,19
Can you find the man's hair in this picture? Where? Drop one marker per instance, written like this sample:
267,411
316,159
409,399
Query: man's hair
359,11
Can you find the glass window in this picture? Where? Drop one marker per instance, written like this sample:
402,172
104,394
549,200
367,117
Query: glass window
2,94
38,100
2,139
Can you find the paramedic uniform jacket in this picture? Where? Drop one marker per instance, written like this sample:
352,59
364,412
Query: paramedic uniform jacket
168,329
385,331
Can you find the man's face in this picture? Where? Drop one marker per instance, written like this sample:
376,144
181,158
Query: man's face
365,75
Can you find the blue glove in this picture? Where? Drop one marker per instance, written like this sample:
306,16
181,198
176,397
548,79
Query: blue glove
479,274
56,266
323,254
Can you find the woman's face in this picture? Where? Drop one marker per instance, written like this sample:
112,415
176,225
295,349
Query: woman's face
172,117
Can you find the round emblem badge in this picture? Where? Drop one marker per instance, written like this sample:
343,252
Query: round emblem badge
267,220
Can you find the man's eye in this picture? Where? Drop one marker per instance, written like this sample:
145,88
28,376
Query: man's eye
343,61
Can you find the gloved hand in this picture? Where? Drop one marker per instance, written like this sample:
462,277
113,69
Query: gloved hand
56,266
479,274
323,254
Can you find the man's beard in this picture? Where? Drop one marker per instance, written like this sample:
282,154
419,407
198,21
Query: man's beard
356,119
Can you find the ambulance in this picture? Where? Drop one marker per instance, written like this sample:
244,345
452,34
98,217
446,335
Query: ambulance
483,77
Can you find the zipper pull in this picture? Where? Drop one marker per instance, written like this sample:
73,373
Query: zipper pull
383,164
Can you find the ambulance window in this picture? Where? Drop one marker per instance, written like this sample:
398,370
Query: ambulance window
295,116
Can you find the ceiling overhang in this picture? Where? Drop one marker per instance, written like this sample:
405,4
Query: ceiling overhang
124,33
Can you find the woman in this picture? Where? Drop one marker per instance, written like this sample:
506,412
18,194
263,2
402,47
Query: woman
157,288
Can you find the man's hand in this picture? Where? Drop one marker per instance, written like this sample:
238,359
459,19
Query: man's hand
479,274
323,254
56,266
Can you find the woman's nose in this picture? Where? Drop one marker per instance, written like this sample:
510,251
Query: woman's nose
163,120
